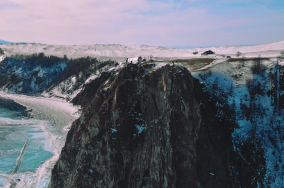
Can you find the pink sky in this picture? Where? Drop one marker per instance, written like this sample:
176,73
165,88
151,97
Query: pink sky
150,22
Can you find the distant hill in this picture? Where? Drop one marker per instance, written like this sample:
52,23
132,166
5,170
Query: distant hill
120,52
188,47
4,42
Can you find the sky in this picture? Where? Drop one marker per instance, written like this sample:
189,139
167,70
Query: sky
149,22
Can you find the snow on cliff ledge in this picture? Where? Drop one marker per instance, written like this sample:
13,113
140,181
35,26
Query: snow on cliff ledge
2,58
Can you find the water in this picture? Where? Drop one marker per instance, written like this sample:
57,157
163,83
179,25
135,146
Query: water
26,157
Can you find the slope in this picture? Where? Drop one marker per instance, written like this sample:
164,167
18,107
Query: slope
120,52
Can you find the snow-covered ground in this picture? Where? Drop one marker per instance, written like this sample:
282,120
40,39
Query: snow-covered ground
120,52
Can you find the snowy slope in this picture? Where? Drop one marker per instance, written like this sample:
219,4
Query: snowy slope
265,48
257,99
28,76
119,52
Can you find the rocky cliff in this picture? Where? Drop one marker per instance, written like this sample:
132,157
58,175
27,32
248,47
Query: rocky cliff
142,129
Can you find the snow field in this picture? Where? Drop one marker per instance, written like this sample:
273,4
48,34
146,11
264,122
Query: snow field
120,52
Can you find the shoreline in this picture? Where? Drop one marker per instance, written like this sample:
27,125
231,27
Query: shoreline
57,111
59,115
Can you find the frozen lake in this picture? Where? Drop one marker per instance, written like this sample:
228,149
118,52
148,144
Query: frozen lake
29,147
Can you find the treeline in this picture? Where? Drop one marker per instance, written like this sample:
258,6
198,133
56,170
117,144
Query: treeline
34,73
82,68
40,60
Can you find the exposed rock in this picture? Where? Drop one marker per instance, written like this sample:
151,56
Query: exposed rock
147,130
13,106
90,90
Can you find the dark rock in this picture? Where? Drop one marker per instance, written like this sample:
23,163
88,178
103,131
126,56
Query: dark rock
147,130
13,106
90,90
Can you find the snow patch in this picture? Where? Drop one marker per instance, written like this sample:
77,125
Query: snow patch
2,58
141,128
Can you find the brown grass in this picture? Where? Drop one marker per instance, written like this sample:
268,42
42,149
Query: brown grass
247,59
194,61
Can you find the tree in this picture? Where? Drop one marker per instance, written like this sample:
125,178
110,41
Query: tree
215,85
208,52
282,53
238,54
242,62
1,52
41,55
139,60
257,68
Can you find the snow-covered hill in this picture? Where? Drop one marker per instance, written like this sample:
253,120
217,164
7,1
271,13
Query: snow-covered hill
119,52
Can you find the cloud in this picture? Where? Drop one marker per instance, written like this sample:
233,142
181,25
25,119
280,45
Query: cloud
150,22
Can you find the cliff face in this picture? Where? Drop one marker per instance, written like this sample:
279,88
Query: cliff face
90,89
147,130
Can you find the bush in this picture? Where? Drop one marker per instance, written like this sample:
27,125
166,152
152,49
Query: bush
208,52
238,54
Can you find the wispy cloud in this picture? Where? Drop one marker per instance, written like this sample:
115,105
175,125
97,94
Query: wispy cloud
272,13
153,22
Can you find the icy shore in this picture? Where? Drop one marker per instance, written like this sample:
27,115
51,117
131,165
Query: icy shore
53,117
